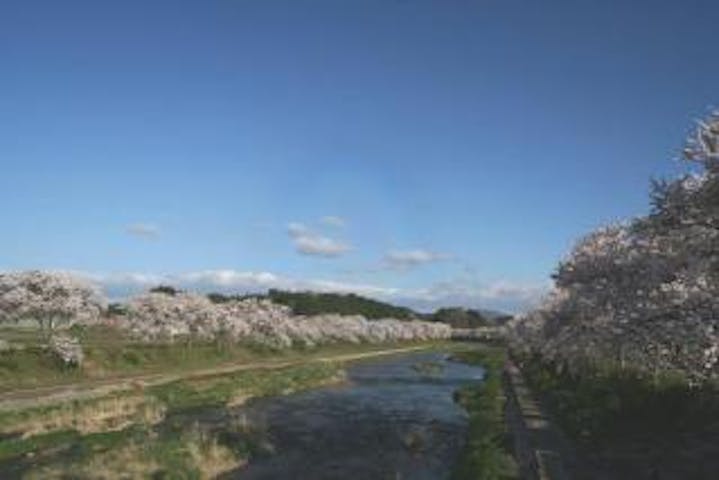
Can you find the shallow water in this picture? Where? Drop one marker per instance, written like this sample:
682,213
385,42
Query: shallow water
394,419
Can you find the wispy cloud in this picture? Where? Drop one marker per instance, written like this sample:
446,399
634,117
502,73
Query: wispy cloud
405,259
120,285
334,221
501,295
143,230
310,242
225,279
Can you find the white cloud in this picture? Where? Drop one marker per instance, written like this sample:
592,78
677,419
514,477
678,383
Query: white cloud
138,279
321,246
228,279
309,242
500,295
508,290
122,285
342,287
296,229
405,259
334,221
143,230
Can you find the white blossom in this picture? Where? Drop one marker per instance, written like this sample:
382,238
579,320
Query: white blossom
52,299
645,293
67,349
260,321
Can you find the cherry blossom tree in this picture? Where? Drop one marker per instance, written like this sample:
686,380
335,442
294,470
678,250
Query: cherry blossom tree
643,294
260,321
51,299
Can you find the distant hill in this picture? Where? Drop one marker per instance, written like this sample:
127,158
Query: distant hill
314,303
495,316
458,317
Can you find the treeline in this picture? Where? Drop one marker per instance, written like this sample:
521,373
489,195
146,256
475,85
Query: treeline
314,303
460,317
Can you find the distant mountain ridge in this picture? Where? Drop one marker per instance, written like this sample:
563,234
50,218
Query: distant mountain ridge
318,303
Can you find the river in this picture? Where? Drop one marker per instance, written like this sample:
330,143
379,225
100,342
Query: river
395,418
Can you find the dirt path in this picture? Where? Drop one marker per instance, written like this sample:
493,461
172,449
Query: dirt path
34,397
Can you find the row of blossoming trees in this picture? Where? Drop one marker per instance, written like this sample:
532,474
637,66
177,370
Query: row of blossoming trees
56,300
642,294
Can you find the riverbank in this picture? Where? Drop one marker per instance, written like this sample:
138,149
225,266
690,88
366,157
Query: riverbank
84,417
111,353
511,435
77,384
85,431
165,428
488,451
624,424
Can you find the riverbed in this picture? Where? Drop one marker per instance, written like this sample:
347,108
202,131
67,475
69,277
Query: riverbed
394,418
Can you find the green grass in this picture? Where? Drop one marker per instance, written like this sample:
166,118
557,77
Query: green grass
135,438
166,399
174,451
31,366
220,390
605,405
194,391
21,446
109,353
486,455
182,452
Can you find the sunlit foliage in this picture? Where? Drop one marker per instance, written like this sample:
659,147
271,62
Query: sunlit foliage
643,294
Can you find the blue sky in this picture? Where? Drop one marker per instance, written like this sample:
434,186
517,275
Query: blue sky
458,148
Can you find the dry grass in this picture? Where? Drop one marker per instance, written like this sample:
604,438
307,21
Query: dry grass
117,464
107,437
201,456
101,415
210,458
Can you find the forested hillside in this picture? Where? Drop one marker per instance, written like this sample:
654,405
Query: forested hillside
458,317
313,303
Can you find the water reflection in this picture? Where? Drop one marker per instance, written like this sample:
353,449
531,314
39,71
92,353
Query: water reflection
394,419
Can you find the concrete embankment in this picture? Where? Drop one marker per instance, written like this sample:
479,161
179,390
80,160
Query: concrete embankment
542,451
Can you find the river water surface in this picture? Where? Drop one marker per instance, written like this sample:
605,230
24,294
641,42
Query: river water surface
395,418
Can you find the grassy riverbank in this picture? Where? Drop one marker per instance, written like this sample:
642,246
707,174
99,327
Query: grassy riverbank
630,425
119,433
139,429
487,454
111,354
